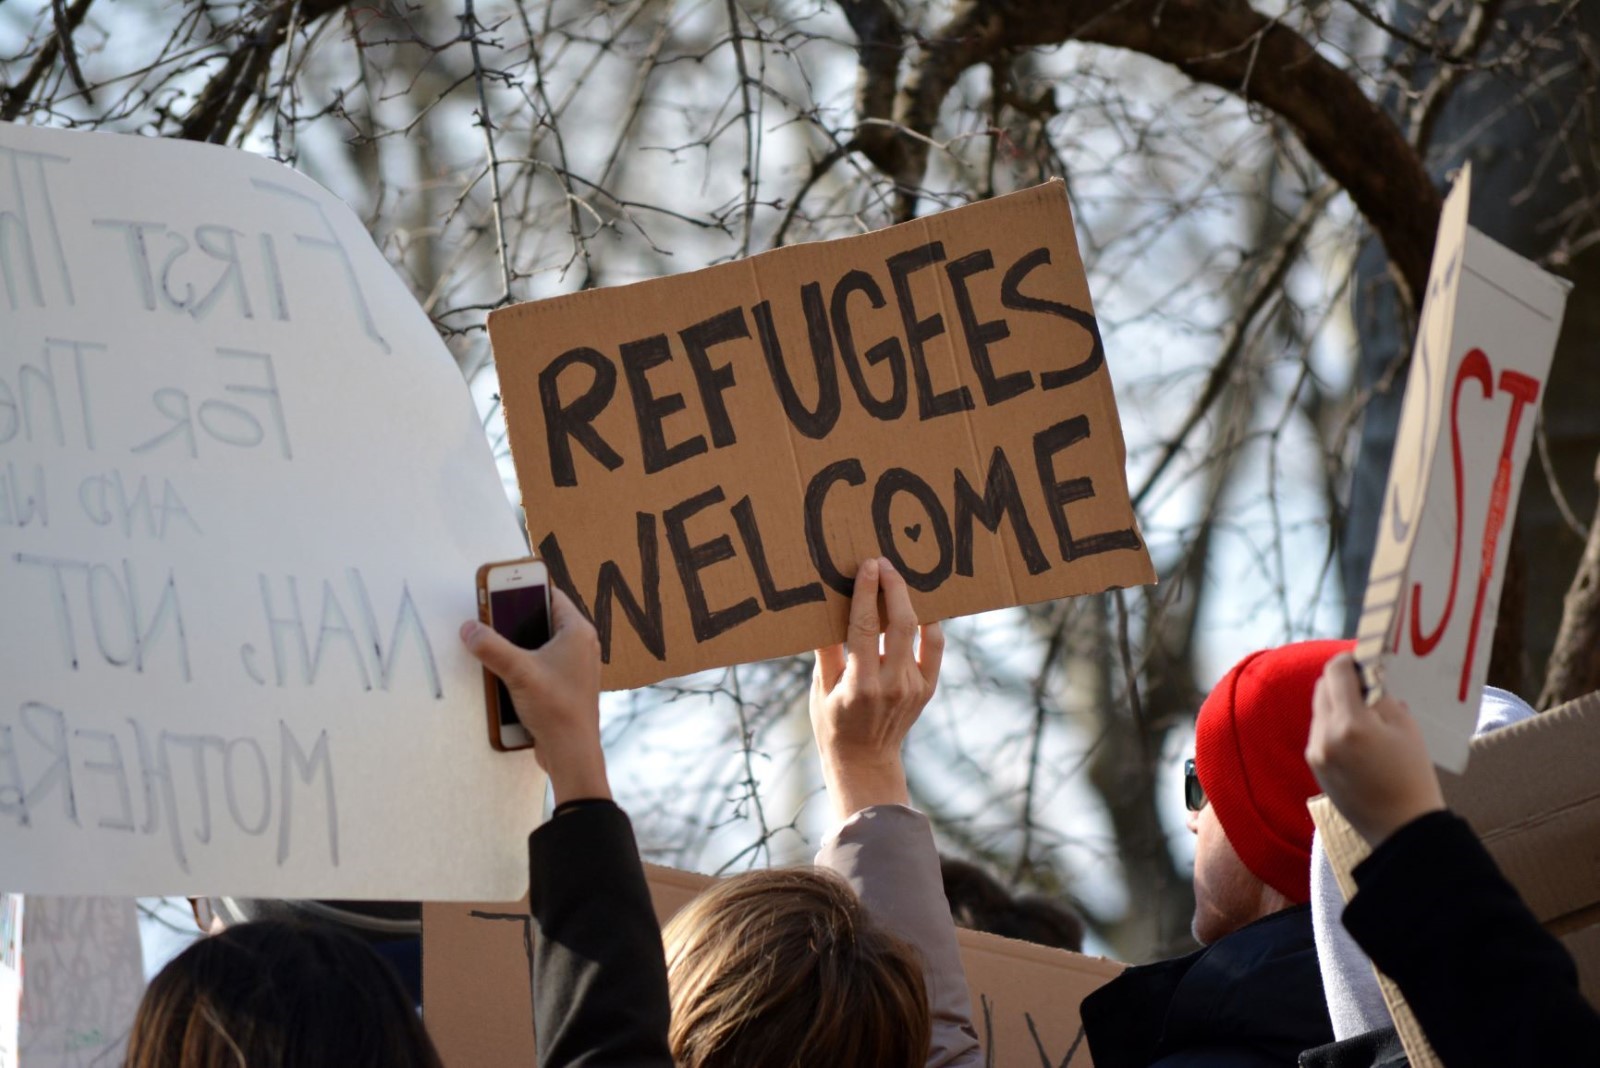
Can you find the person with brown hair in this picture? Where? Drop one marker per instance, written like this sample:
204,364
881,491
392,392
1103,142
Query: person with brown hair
855,962
864,702
856,967
769,963
275,994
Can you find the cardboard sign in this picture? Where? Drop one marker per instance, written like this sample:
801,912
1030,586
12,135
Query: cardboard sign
705,459
1488,331
71,977
243,494
478,1002
1532,796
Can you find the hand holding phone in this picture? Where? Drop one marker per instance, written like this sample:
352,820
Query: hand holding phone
514,599
556,689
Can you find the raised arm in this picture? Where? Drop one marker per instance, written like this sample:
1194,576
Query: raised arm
863,703
599,975
1489,986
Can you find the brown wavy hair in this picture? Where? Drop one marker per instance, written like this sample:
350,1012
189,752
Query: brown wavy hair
774,969
276,994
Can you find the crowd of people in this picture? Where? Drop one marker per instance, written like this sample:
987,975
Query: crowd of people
854,961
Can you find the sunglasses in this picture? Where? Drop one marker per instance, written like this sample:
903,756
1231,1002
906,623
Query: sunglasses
1194,795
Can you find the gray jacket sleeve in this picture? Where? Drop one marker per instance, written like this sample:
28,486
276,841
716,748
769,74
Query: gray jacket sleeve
886,853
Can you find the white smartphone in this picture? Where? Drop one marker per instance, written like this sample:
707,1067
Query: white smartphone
514,599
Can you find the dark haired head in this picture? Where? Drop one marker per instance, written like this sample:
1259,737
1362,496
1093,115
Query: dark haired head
978,901
275,994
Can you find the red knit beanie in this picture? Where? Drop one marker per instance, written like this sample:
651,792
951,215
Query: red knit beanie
1249,752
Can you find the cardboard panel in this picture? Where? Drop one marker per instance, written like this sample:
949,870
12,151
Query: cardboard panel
477,993
243,494
705,459
1584,945
1531,794
1488,331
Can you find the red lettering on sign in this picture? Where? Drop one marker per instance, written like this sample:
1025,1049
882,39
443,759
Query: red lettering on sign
1524,390
1474,366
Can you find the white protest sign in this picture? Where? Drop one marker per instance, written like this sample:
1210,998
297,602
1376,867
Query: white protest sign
83,977
10,977
243,494
1488,331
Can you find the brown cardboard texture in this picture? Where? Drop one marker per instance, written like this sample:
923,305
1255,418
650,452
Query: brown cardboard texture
1532,795
704,459
478,1004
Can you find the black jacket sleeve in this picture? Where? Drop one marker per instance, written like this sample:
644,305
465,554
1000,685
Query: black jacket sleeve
599,972
1489,986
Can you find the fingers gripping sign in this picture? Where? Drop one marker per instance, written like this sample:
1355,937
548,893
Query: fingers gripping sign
556,690
863,701
1370,758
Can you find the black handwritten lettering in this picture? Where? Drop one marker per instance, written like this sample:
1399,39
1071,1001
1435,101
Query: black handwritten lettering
980,335
849,472
899,480
888,350
919,331
692,559
651,411
565,422
776,599
714,381
815,422
1038,1044
1058,494
1001,497
1011,296
611,589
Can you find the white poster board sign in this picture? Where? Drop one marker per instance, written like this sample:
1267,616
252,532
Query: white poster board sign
84,978
1488,331
10,977
243,493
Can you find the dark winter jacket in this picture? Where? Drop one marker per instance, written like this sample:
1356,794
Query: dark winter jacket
1490,987
1250,1000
